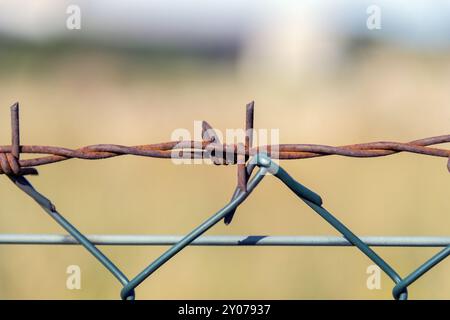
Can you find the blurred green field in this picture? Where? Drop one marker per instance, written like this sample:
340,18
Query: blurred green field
75,99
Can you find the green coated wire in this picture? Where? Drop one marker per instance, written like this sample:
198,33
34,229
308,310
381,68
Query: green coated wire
266,165
315,202
194,234
416,274
24,185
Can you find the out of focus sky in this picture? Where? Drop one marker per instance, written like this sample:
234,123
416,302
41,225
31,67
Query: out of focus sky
191,22
137,70
286,38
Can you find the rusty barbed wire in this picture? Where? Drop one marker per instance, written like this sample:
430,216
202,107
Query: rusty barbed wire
10,161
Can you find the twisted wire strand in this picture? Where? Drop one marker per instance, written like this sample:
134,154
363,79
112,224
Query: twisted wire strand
198,149
210,148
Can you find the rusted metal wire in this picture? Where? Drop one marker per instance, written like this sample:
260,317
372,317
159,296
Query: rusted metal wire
10,161
242,172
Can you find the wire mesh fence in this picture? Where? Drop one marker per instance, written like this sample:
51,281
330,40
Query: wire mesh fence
248,159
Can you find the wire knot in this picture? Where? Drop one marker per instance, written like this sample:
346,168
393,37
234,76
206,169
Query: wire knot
10,161
9,164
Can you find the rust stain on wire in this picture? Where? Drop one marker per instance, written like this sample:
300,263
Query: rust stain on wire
10,162
242,171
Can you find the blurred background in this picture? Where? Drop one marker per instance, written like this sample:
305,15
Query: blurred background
137,70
